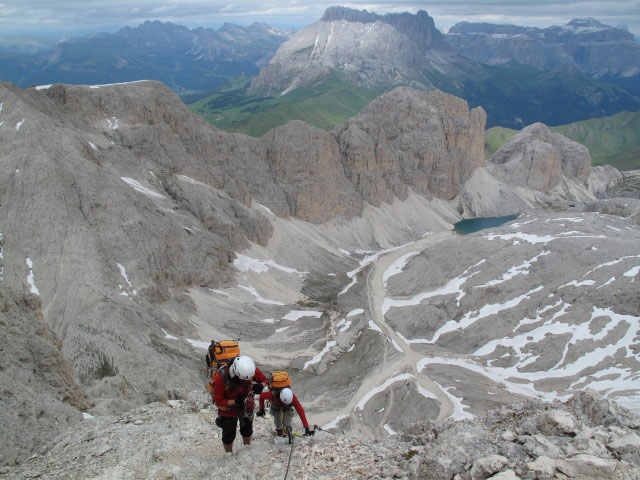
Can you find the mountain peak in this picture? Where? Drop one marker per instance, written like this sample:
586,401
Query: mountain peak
586,22
336,13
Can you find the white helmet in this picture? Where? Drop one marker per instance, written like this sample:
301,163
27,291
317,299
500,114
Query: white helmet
243,368
286,396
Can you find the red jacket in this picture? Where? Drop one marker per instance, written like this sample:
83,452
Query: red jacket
277,404
233,388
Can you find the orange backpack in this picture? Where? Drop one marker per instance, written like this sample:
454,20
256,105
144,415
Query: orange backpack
279,380
220,353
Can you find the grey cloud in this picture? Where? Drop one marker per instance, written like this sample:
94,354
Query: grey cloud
93,14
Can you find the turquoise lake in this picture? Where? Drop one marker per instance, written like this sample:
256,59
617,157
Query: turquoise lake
470,225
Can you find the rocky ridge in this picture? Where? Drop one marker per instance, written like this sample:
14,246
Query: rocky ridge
586,437
585,43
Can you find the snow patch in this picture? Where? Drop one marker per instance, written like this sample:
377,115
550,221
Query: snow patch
294,315
374,326
522,269
85,415
137,186
487,310
576,283
381,388
453,286
397,266
244,263
43,87
30,279
458,407
318,357
113,123
198,343
266,210
632,273
19,124
357,311
334,422
168,335
389,429
93,146
219,292
258,297
366,261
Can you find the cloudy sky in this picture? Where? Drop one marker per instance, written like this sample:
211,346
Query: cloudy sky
75,17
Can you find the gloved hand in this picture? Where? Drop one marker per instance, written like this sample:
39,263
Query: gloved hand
308,432
261,413
239,401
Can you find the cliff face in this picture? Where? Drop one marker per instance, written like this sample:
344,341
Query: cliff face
596,49
429,141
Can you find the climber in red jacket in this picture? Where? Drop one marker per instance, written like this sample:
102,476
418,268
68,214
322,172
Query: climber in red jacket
233,395
282,402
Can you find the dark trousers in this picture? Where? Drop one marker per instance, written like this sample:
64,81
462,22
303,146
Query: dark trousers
229,424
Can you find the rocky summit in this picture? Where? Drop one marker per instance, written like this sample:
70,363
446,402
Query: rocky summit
133,233
368,49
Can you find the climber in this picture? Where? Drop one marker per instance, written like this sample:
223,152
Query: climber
233,395
282,402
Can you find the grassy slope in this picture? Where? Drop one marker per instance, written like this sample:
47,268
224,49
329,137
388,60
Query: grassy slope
613,140
325,104
495,137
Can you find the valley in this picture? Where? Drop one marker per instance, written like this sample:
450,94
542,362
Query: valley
449,300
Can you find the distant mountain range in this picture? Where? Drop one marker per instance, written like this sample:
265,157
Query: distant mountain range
330,70
364,53
599,51
184,59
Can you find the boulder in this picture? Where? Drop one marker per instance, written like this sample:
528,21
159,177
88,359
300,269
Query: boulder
557,422
506,475
584,465
543,467
629,443
486,466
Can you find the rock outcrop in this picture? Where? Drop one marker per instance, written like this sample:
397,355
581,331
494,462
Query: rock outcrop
539,159
428,141
39,392
180,439
533,440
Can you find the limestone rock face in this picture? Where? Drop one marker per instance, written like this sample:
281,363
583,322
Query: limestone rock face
429,141
39,392
306,162
365,48
537,158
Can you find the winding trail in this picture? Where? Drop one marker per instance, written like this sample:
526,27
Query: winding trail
376,293
393,362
